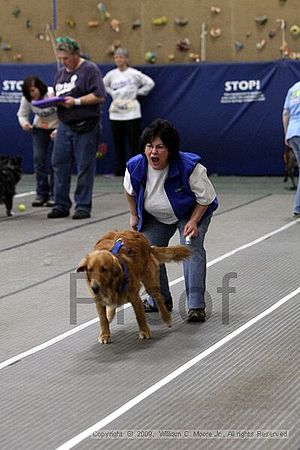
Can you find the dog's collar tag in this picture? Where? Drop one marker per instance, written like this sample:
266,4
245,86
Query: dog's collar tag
115,251
116,248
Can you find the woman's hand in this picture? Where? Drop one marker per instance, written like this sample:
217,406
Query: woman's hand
133,221
27,127
53,135
191,229
134,218
69,102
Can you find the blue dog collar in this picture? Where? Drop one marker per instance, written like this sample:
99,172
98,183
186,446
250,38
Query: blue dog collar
115,251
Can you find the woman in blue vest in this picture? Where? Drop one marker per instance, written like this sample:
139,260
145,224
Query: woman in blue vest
168,190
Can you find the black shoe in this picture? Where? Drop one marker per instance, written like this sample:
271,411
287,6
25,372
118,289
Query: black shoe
296,214
57,214
196,315
50,203
39,201
80,214
148,307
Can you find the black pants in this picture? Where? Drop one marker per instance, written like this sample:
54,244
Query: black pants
120,130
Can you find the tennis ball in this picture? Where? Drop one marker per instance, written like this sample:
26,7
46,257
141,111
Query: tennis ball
22,207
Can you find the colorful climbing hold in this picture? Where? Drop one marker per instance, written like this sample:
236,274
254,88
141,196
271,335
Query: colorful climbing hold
17,57
260,45
183,45
160,21
181,22
215,10
272,33
5,46
261,20
71,23
93,23
115,25
104,14
150,57
215,32
238,45
194,57
136,24
16,12
295,30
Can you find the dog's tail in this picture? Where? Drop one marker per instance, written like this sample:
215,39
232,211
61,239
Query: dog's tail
174,253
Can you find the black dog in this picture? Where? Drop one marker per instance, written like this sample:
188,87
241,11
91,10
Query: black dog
290,167
10,175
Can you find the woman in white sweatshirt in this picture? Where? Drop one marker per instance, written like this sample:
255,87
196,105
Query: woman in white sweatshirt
45,121
124,84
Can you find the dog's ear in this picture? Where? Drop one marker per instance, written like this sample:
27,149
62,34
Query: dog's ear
82,265
117,277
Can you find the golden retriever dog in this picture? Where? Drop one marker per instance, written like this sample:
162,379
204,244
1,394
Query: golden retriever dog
115,269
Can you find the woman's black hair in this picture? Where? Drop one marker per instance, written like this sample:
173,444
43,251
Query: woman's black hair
166,132
33,81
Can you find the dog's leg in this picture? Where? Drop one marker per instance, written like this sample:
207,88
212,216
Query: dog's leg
110,312
9,204
155,293
104,335
152,286
294,187
138,308
164,313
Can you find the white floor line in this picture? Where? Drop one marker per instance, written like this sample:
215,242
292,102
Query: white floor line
243,247
176,373
25,194
46,344
65,335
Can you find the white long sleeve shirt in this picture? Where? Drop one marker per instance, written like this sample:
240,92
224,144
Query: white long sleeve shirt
124,86
43,117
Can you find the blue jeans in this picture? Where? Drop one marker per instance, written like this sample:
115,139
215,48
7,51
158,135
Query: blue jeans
294,142
42,147
194,268
71,147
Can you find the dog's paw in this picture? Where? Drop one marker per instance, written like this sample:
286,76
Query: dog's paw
104,339
167,318
169,322
145,334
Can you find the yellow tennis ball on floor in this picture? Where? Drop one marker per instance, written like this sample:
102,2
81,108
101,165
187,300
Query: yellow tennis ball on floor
22,207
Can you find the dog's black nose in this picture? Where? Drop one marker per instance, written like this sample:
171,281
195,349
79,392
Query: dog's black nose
95,288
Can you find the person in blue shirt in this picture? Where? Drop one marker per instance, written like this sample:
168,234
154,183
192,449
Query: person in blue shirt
168,190
291,125
80,83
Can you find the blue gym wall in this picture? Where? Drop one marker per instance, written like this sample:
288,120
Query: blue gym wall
228,113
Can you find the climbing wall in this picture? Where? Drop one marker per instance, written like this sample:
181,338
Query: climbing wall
154,31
